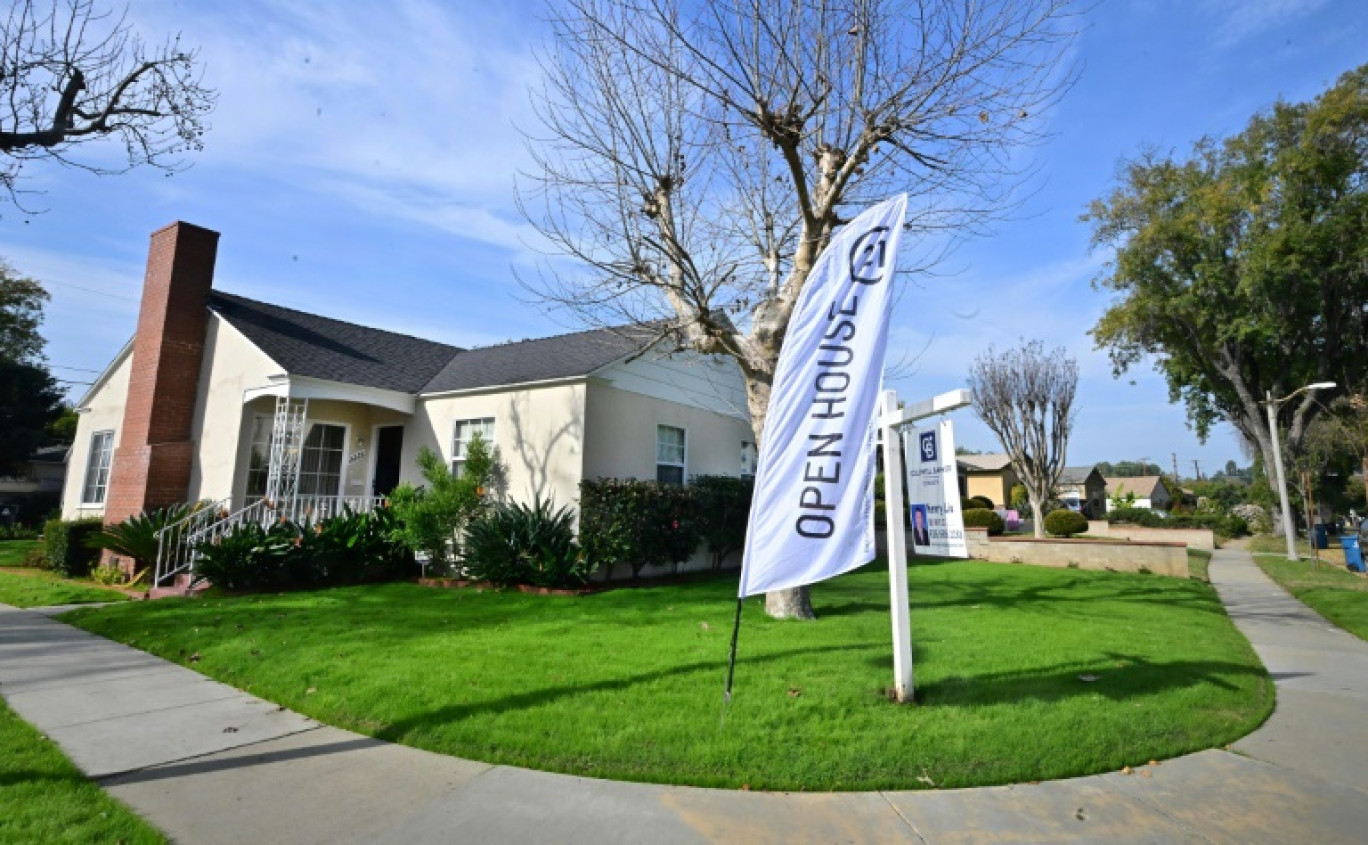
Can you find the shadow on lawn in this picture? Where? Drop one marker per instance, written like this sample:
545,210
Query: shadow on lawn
396,731
1115,676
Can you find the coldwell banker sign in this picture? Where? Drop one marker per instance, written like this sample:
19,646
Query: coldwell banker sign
933,491
813,512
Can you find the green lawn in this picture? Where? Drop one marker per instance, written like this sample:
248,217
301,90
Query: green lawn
1331,591
28,587
1198,561
13,552
45,798
627,684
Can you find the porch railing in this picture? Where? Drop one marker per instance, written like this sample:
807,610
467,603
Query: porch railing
178,544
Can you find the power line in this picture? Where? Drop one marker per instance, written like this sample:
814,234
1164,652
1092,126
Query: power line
90,290
76,369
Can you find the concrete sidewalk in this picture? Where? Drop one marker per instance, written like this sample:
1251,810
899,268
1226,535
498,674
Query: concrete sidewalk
206,763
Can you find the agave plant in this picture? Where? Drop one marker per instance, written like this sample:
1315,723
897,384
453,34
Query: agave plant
136,537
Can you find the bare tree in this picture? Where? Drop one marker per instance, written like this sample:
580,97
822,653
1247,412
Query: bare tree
695,158
1026,397
71,73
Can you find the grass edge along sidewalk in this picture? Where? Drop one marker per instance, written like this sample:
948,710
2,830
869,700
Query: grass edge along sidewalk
24,586
45,798
1332,591
1024,673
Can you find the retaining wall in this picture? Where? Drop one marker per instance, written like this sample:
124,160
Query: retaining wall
1193,538
1102,555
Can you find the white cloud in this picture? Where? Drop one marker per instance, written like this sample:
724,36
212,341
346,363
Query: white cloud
1240,20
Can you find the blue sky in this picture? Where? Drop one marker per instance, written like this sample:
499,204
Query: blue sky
362,158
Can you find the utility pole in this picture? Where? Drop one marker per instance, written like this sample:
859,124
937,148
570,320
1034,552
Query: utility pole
1197,469
1175,466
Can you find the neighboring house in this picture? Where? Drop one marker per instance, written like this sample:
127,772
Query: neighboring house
989,475
1150,491
1083,489
36,489
229,399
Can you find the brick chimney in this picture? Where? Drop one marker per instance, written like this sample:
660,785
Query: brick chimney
151,466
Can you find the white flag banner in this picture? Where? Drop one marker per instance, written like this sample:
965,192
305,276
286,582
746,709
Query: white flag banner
812,516
933,491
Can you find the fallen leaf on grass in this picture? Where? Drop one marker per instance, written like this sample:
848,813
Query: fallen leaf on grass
705,626
1088,679
310,690
194,658
794,692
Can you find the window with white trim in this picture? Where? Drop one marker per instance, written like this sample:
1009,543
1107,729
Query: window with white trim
320,461
465,431
259,457
749,459
97,468
670,454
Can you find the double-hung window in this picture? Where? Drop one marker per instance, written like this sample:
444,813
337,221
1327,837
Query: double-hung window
97,468
320,461
465,431
670,454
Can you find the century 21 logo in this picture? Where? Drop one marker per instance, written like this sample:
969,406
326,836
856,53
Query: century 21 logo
868,255
928,446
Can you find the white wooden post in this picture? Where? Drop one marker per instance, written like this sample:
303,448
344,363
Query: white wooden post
897,551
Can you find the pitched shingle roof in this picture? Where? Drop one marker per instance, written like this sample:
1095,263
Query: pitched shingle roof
1141,485
543,359
1075,475
990,462
320,347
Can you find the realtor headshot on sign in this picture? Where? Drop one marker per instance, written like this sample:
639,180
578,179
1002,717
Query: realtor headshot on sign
920,536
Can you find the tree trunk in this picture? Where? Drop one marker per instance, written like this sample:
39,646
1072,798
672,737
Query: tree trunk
1037,518
780,604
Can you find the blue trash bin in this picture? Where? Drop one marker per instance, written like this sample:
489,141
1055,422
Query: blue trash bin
1353,555
1320,537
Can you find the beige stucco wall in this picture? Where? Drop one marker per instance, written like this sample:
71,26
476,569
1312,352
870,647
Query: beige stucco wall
102,410
1155,558
1193,538
231,364
621,441
538,432
996,486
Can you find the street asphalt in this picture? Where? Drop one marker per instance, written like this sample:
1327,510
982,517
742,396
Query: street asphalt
207,763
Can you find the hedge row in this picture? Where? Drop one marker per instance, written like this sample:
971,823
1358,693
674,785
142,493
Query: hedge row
1226,526
645,523
65,547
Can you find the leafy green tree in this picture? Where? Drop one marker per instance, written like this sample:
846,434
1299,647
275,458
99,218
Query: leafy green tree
1243,269
432,519
30,398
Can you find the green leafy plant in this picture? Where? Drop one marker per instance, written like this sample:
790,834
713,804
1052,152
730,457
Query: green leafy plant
721,506
1136,516
639,523
1065,523
136,536
526,544
982,502
1020,499
430,520
250,557
65,549
984,518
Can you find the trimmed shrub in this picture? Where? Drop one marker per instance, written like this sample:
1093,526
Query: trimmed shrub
1065,523
65,546
639,523
982,502
522,544
984,518
1136,516
721,508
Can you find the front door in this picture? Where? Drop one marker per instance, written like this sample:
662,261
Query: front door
389,443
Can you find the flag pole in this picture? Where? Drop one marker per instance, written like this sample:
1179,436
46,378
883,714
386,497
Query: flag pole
731,661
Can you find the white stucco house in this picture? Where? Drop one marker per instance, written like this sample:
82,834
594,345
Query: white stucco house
229,399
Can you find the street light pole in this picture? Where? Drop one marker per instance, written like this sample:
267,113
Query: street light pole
1282,479
1272,405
